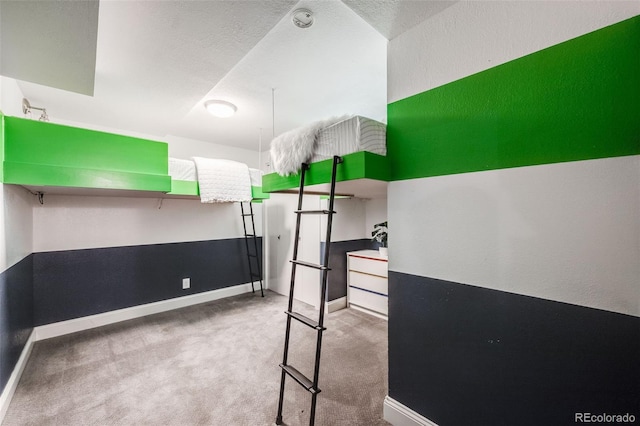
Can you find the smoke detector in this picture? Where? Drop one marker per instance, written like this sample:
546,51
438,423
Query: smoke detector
302,18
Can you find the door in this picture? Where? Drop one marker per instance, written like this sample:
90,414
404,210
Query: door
281,227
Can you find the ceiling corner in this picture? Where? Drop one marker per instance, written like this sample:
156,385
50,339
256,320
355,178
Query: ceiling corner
52,43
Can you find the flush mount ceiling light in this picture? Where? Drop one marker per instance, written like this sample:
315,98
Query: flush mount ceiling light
221,109
302,18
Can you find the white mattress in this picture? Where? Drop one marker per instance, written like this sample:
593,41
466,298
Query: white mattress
256,177
182,169
186,170
351,135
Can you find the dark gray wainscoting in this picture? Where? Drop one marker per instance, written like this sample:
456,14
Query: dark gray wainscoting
77,283
337,285
465,355
16,314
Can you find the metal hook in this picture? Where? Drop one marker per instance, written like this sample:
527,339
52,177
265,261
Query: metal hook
27,107
40,198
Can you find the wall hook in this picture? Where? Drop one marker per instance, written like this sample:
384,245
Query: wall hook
40,197
27,107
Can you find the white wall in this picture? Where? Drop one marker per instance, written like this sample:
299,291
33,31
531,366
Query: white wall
16,223
15,216
10,97
78,222
355,218
376,212
265,160
187,148
349,221
567,232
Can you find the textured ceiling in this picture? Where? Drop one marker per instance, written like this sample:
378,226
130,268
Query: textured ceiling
156,62
393,17
336,67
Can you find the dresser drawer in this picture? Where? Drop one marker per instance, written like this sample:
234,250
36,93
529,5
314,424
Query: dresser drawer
369,266
368,282
372,301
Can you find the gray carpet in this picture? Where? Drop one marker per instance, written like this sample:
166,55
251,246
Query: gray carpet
209,364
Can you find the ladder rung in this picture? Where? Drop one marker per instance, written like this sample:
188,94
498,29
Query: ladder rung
252,255
305,320
314,211
249,235
253,274
247,214
310,265
300,378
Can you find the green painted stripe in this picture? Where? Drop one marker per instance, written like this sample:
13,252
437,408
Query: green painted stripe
573,101
46,175
1,147
358,165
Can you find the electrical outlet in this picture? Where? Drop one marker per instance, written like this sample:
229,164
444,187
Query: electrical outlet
186,283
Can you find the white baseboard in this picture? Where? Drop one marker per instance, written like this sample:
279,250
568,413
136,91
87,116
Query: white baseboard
78,324
335,305
12,383
400,415
369,311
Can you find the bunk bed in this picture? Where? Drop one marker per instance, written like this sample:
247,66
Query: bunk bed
360,141
52,158
184,180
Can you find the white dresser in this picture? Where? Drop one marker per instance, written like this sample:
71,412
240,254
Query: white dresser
367,286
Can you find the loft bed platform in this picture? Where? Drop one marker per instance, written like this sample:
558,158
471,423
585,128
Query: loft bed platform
51,158
184,182
189,189
43,154
179,193
360,141
362,174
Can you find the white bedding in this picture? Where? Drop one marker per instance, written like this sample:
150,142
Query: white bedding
324,139
292,148
222,181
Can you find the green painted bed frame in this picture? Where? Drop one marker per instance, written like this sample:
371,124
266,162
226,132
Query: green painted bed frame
46,154
42,154
191,188
358,165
